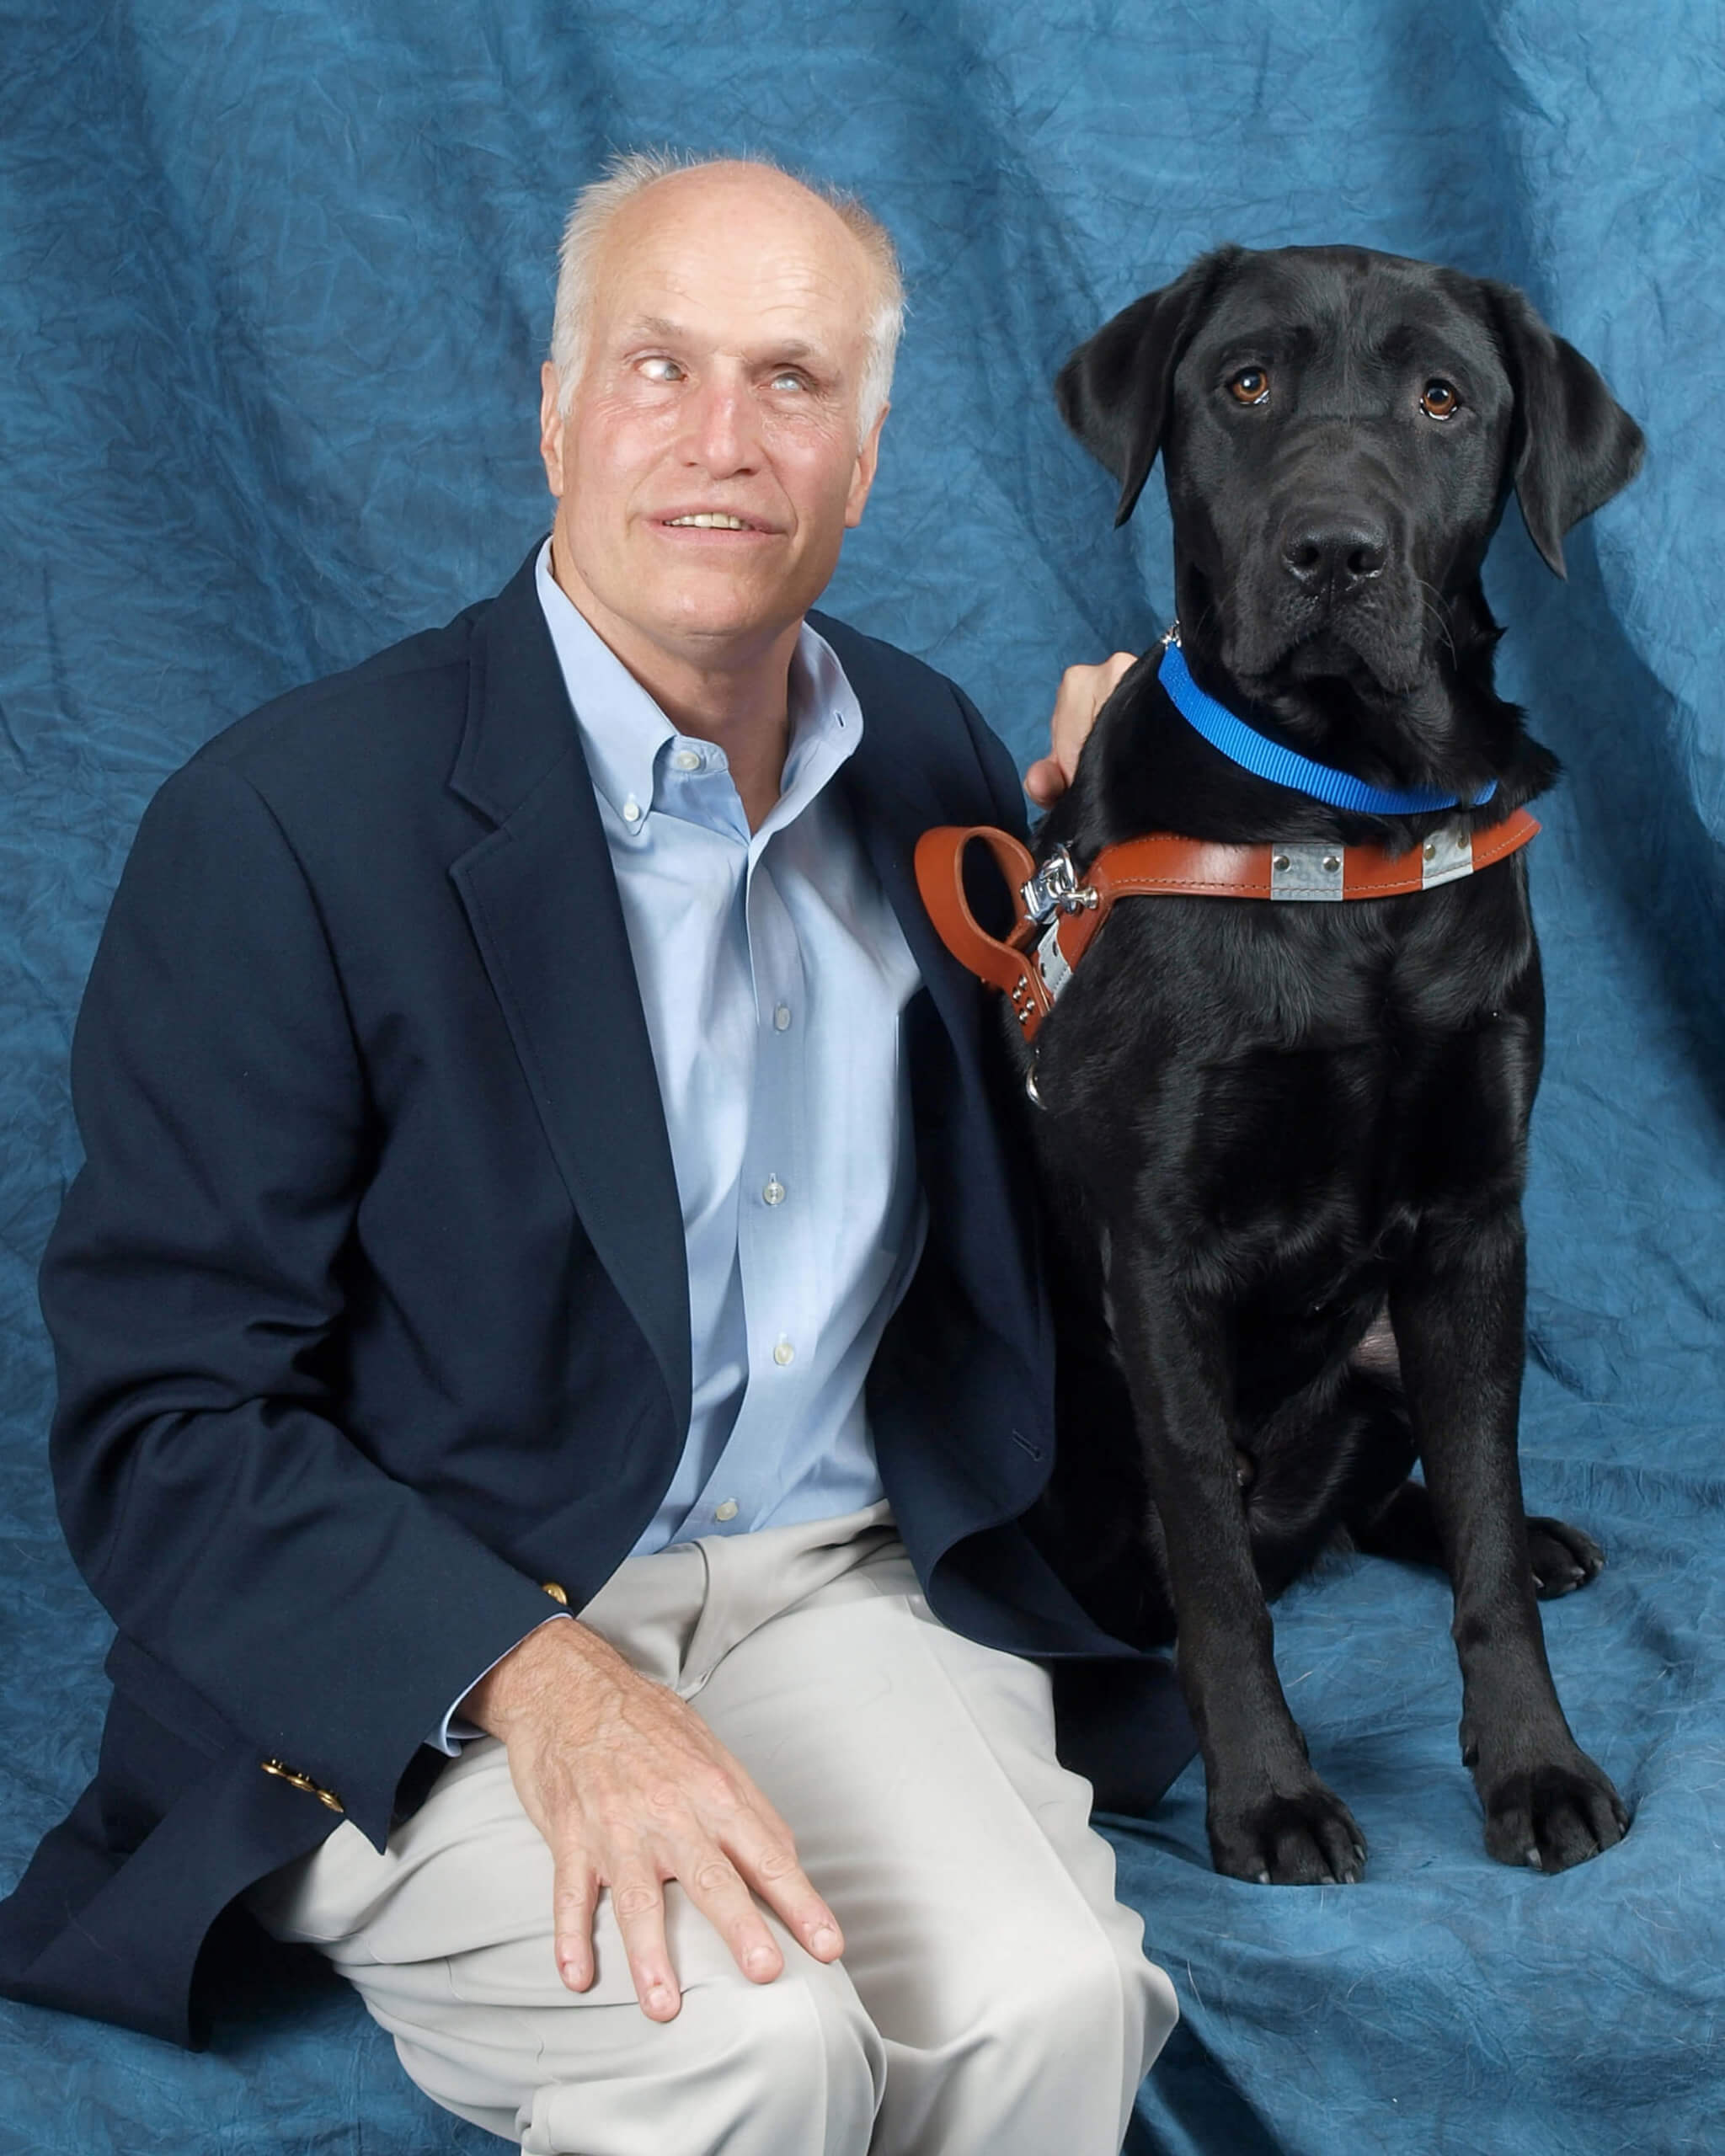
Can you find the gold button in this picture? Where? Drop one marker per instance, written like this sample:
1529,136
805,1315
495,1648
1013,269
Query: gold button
556,1592
296,1780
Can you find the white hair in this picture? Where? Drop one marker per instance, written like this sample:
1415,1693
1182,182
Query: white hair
596,206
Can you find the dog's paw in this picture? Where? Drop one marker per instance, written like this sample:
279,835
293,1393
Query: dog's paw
1553,1815
1307,1839
1562,1557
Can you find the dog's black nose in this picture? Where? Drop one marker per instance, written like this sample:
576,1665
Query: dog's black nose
1337,551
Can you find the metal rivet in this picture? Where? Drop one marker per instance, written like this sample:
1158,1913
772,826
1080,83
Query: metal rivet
1332,862
1281,864
1430,849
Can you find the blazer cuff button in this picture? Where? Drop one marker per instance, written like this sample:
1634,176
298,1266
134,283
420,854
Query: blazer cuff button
296,1780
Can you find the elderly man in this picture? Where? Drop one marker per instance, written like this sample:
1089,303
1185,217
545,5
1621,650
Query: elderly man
540,1161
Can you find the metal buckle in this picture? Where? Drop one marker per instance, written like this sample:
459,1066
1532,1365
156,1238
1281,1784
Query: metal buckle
1056,888
1170,635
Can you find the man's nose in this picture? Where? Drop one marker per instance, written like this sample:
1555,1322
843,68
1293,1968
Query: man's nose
721,431
1339,549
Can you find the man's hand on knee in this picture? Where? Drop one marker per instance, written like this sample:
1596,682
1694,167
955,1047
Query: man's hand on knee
630,1789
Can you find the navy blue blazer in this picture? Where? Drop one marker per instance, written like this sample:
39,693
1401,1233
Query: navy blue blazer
369,1304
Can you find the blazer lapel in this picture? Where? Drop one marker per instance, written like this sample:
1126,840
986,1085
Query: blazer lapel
963,1161
542,902
894,803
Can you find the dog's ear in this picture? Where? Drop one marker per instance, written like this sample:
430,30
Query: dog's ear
1572,444
1113,391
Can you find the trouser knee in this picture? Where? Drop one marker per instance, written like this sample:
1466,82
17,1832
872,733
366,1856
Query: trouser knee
759,2069
1059,2047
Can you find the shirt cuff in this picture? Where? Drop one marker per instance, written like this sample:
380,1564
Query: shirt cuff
452,1731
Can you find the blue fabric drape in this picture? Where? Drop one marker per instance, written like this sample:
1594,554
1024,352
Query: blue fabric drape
275,284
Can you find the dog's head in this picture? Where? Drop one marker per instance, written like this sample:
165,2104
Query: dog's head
1340,431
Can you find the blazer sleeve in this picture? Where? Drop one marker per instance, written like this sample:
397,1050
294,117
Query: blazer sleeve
193,1290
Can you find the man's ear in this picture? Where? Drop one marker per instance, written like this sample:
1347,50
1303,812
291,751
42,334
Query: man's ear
1572,444
1113,391
551,429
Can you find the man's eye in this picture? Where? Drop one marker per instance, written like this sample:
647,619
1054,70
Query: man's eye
1250,386
790,379
660,369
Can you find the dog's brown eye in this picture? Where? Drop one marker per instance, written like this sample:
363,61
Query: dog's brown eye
1438,400
1251,386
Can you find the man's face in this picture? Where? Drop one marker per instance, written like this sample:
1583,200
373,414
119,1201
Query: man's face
723,353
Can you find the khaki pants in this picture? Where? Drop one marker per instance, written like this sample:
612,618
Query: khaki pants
993,2000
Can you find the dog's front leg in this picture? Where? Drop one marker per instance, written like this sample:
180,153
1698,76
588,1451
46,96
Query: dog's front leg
1458,1308
1269,1817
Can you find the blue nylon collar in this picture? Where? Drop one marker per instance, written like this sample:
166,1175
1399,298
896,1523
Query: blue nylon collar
1253,751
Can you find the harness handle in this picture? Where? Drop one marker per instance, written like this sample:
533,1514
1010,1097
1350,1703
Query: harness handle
940,877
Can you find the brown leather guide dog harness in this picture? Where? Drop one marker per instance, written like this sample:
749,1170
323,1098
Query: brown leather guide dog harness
1059,915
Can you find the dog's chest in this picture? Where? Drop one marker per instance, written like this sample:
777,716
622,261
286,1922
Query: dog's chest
1315,1082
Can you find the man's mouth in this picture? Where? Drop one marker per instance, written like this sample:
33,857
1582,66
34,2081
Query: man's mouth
710,520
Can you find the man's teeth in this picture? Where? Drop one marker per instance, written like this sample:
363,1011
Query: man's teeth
711,520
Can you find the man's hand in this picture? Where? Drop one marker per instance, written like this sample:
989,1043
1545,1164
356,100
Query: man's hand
1084,690
630,1789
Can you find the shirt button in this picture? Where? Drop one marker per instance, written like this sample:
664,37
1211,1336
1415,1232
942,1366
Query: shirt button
631,810
686,760
727,1510
774,1192
784,1352
782,1017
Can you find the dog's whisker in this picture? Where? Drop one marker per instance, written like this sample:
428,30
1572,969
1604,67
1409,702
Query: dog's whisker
1431,603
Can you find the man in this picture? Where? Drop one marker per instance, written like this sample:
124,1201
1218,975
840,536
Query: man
540,1161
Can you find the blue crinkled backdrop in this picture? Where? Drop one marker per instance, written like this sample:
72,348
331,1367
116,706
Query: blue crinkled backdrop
277,280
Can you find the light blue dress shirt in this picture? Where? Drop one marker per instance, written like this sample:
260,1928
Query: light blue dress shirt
773,975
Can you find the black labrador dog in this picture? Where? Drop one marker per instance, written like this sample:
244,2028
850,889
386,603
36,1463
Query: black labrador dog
1284,1144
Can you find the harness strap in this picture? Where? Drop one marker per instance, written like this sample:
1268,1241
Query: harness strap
1067,912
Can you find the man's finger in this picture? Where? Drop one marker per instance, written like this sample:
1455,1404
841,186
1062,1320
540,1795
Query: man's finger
1044,781
575,1894
712,1883
766,1858
638,1903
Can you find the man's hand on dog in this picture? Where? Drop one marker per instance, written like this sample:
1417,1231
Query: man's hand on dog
1083,692
631,1789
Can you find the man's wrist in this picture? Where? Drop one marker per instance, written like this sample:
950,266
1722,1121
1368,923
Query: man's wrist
549,1656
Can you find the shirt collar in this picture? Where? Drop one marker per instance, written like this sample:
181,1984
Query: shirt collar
625,734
